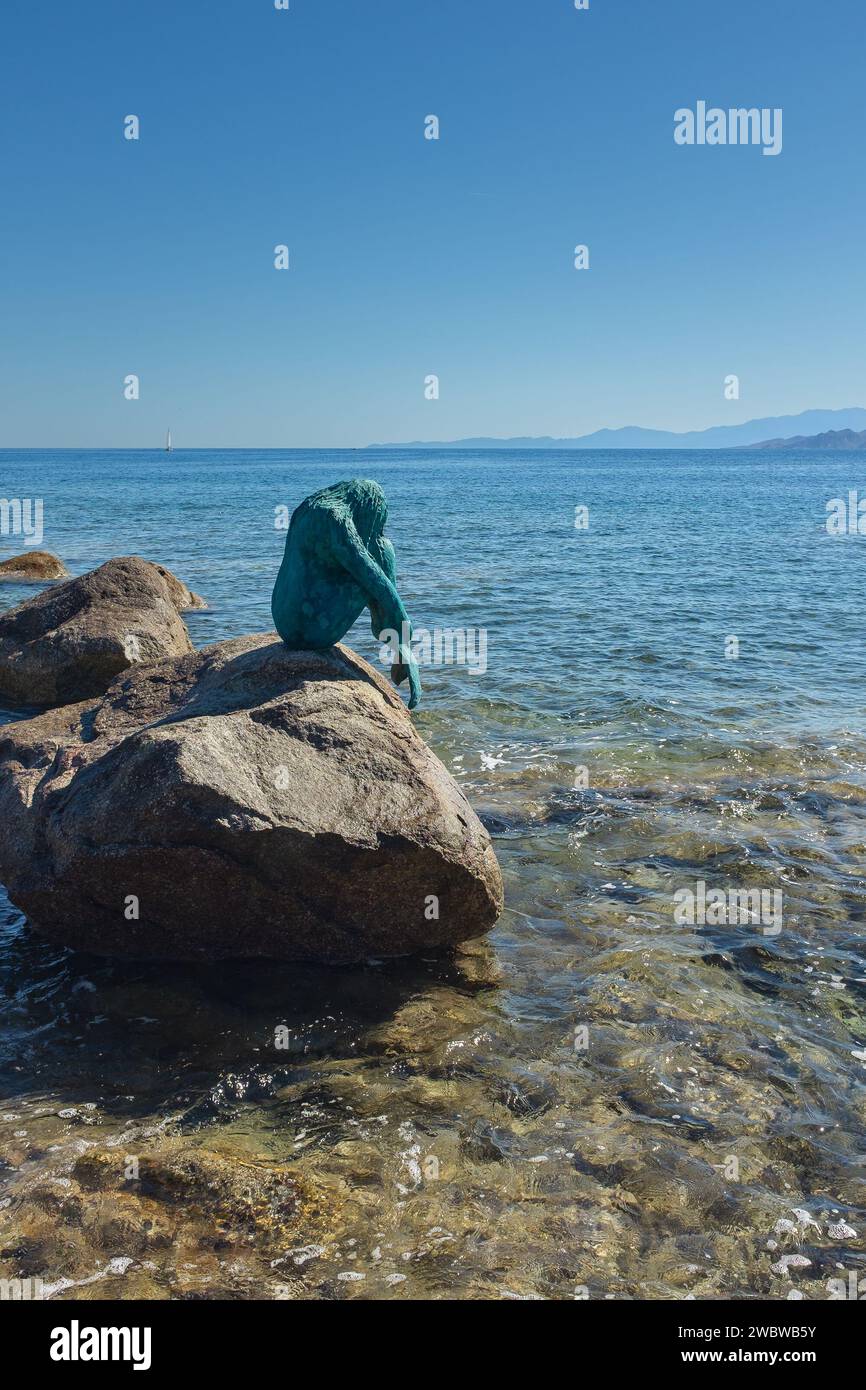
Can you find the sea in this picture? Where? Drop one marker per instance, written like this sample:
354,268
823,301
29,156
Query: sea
648,1080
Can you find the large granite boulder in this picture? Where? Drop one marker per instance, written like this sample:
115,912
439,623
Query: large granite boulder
69,642
245,800
33,567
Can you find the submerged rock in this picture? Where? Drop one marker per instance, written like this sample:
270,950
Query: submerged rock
242,801
173,1218
69,642
35,567
200,1180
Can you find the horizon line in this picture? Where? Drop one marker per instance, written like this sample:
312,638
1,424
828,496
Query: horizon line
385,448
462,444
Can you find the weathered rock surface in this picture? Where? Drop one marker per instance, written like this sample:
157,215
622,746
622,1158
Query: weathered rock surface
184,600
69,642
34,567
241,801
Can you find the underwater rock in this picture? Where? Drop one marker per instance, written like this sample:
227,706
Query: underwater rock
159,1222
69,642
242,801
197,1179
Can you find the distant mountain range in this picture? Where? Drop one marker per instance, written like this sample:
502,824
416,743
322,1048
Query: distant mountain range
830,439
772,428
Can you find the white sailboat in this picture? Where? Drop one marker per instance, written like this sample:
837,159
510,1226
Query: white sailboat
168,442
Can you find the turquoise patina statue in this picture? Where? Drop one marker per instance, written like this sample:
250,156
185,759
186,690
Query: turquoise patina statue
337,563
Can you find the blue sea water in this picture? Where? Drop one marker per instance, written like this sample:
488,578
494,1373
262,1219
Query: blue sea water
675,693
682,550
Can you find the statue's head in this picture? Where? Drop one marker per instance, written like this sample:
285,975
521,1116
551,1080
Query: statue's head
366,502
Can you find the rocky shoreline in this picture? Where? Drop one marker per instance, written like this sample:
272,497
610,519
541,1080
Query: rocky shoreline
241,801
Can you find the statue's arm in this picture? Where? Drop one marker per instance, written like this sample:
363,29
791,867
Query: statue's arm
382,552
380,592
386,606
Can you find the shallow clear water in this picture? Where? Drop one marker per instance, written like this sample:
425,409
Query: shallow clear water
452,1131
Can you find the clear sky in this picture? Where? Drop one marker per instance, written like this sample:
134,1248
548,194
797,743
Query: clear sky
408,256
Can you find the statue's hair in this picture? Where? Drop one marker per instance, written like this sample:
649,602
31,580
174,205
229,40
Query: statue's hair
362,499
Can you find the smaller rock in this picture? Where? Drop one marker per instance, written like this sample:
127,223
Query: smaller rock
36,567
789,1262
70,641
841,1231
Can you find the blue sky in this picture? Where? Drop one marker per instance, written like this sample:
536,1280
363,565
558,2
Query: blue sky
411,257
